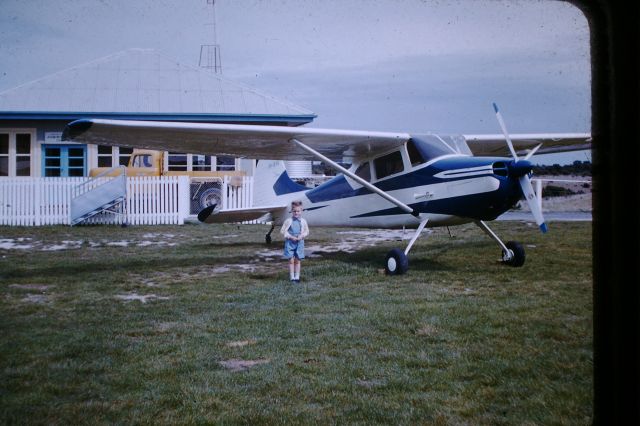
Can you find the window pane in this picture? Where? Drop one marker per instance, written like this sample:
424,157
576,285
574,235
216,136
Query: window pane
52,162
104,162
125,153
76,152
142,161
431,146
23,165
4,143
414,154
51,172
4,166
76,162
388,165
23,143
104,150
201,162
225,162
52,152
177,162
76,172
364,171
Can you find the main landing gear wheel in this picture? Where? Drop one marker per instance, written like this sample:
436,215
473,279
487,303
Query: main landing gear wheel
210,197
515,257
396,263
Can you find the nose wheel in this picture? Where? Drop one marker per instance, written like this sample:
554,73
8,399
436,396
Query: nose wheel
515,254
512,251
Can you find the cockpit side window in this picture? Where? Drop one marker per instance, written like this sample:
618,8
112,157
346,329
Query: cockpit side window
364,171
415,156
388,164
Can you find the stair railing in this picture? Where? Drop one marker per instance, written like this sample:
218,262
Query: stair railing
96,181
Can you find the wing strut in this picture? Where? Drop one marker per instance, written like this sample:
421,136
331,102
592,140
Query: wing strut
358,179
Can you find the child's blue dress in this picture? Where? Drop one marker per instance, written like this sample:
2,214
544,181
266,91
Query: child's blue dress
294,248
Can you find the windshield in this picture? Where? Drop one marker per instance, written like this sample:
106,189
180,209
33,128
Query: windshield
423,148
142,161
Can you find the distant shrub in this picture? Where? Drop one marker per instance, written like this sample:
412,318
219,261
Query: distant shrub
578,168
556,191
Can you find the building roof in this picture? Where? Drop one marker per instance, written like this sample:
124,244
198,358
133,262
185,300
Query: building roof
144,84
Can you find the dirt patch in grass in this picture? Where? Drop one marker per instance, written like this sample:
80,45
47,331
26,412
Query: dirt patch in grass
40,298
38,287
36,298
236,365
241,343
427,330
143,298
370,384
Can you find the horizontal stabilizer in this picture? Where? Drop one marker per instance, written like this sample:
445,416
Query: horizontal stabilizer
211,215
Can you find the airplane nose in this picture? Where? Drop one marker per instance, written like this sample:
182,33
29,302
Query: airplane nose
519,168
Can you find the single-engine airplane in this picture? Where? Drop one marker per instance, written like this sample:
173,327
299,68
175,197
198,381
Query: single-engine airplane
395,179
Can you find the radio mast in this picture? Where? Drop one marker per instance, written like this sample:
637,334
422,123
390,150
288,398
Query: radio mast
210,53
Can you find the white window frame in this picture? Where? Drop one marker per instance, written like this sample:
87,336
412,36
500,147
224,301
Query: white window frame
13,155
213,167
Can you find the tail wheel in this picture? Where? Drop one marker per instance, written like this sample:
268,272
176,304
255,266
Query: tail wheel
515,257
396,262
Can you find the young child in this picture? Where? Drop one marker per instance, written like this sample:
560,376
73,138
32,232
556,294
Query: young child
295,230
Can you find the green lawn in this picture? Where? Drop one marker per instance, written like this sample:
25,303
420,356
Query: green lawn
199,324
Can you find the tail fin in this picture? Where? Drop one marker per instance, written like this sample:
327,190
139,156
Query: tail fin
270,181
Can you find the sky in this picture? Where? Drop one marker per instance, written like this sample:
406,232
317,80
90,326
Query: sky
386,65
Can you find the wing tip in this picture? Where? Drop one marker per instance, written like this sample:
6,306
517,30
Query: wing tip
76,128
543,228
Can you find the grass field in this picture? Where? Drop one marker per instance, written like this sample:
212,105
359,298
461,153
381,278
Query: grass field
199,324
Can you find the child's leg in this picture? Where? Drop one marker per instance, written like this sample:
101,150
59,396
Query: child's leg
297,265
292,268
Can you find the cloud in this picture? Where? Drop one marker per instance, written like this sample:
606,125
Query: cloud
447,93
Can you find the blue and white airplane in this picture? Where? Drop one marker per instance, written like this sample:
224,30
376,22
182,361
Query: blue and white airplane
395,179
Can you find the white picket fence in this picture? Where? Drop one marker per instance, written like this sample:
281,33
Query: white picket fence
237,192
153,200
36,201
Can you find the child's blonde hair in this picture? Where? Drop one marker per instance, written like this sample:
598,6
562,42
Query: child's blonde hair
296,203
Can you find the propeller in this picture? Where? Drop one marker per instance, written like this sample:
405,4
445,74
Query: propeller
521,169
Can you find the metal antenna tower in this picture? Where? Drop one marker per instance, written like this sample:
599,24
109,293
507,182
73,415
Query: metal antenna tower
210,53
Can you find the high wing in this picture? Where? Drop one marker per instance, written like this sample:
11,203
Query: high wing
494,145
250,141
277,142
